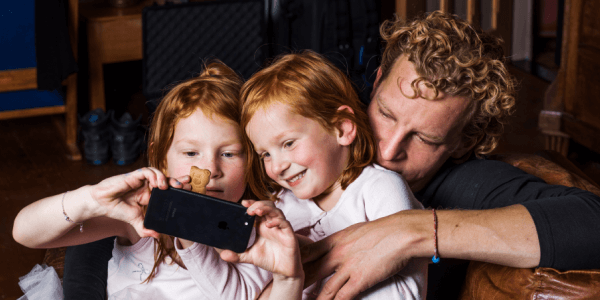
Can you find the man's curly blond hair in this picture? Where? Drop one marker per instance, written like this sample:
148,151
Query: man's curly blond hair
452,57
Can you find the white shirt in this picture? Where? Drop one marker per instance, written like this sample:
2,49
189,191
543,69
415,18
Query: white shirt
206,277
376,193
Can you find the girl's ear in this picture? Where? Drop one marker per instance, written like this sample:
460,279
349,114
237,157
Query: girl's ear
345,128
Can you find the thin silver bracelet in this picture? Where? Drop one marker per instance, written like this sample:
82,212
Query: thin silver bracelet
67,217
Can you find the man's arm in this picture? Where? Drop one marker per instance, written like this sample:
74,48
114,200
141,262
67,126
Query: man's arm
552,222
565,218
504,236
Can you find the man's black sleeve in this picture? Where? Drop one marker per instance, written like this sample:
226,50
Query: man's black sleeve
86,270
567,219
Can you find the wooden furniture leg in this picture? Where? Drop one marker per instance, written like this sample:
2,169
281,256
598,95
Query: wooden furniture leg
96,80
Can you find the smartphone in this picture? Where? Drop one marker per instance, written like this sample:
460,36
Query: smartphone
199,218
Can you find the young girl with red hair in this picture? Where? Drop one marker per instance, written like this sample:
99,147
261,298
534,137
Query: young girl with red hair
311,150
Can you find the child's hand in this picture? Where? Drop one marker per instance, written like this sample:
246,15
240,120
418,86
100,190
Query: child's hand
276,248
122,197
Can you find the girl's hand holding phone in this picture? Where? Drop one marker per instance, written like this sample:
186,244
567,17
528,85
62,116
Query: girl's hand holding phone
276,248
121,197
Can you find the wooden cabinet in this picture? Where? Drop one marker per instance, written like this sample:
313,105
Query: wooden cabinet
114,35
572,106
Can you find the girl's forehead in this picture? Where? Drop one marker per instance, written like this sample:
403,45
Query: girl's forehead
274,111
198,117
273,123
202,127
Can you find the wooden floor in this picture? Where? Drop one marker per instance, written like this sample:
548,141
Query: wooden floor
33,165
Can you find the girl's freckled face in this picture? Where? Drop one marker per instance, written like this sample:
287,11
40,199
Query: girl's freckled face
298,153
209,143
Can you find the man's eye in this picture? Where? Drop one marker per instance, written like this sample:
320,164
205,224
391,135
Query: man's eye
424,141
385,115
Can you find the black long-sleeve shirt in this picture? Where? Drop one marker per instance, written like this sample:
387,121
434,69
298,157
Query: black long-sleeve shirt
567,219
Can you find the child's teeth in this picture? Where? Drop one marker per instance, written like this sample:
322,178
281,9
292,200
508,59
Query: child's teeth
297,177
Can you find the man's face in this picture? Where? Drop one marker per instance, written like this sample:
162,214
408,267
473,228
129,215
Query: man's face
415,136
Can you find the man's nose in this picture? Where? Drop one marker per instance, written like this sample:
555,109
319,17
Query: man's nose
392,148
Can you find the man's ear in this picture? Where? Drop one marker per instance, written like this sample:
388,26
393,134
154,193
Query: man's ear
345,128
376,83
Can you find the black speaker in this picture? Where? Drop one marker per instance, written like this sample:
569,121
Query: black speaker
179,38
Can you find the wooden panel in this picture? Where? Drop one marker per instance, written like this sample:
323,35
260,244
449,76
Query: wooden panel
495,13
583,133
73,25
120,40
574,9
96,73
585,104
18,80
71,109
99,10
447,6
408,9
501,22
114,35
32,112
590,27
474,12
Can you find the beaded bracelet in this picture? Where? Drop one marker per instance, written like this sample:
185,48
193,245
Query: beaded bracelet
67,217
436,257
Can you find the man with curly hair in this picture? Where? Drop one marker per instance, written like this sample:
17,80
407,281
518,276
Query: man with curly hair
440,101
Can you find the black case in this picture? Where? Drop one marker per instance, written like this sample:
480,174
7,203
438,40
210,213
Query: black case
199,218
179,38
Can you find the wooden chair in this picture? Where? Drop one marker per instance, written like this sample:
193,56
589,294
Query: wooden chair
571,106
26,79
491,281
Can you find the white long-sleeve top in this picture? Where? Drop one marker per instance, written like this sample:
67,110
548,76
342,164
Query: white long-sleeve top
376,193
206,277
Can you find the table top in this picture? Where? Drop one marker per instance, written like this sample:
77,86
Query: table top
100,10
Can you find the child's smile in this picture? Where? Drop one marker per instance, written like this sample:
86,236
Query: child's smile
298,153
296,179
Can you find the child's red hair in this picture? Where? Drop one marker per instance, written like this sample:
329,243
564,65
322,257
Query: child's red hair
314,88
215,91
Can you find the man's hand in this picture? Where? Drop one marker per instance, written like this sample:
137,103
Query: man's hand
361,256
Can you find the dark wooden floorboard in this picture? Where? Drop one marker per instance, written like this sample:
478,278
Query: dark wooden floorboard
34,165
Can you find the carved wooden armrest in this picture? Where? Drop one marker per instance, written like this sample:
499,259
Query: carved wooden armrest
490,281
